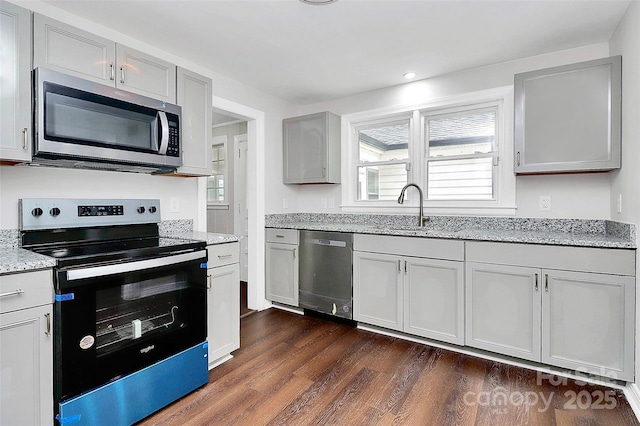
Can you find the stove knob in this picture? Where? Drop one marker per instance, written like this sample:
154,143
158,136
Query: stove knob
54,211
37,212
152,209
140,209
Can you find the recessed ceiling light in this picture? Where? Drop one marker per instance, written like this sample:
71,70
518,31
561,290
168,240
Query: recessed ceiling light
318,2
409,75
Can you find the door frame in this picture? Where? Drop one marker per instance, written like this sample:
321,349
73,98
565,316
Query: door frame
255,197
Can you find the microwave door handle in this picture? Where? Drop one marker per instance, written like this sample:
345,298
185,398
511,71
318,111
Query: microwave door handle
164,135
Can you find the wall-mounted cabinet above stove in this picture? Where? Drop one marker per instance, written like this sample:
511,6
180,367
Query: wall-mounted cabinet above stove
567,118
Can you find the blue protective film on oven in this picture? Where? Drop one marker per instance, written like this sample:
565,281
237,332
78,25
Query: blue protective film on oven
64,297
137,395
203,266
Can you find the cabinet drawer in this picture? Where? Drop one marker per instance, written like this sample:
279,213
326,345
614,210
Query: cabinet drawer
25,290
223,254
282,236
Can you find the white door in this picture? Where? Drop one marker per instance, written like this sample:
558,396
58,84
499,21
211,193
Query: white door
241,213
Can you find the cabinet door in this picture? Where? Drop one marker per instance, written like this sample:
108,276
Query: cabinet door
567,118
434,299
67,49
503,305
282,273
194,96
305,149
223,310
378,289
145,75
15,84
26,367
588,323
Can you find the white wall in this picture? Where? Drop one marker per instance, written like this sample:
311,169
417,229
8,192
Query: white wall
22,182
575,196
626,42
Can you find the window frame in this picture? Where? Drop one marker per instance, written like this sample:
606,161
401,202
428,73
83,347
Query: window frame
217,141
397,119
503,178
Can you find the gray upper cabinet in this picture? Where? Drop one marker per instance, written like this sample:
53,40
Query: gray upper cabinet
194,96
67,49
15,84
311,149
567,118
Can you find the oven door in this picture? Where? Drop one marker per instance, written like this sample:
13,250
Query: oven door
112,320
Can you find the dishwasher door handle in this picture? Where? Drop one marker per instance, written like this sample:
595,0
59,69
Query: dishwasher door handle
322,242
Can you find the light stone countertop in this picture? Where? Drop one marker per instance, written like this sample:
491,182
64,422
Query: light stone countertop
567,232
14,259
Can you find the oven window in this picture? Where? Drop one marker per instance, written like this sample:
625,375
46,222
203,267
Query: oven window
143,307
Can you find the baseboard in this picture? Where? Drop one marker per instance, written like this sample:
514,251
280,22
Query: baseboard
632,393
491,356
219,361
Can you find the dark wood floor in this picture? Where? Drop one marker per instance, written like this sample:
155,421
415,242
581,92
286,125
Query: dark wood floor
301,370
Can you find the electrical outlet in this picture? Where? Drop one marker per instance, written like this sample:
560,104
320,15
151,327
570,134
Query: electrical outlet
619,203
544,202
285,203
174,205
323,203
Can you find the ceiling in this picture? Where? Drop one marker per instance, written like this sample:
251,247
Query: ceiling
307,53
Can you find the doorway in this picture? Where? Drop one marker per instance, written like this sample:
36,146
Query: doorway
251,222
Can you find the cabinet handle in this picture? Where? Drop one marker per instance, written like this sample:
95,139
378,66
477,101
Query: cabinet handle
399,265
536,275
12,293
546,282
405,266
121,74
113,72
25,139
279,236
47,332
208,282
294,253
224,256
518,158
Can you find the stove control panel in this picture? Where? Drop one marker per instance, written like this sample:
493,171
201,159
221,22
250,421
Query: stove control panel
53,213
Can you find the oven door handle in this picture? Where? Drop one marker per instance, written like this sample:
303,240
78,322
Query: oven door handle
120,268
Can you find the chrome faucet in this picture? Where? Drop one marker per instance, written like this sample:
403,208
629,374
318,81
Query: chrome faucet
421,218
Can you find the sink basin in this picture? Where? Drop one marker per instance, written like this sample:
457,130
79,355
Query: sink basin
425,229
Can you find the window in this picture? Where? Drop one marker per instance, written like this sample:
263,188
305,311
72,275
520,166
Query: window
217,181
383,158
461,155
458,149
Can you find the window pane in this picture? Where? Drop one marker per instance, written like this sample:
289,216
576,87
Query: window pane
384,143
468,179
461,134
381,182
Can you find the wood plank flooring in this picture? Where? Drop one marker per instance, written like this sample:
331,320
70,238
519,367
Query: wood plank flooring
302,370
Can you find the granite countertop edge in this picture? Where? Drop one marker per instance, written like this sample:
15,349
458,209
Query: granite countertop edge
503,230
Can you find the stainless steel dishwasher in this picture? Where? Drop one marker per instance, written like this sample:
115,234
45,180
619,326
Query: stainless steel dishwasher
325,272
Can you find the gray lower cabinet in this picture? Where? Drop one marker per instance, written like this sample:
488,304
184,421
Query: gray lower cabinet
580,318
26,349
15,84
223,300
401,291
282,284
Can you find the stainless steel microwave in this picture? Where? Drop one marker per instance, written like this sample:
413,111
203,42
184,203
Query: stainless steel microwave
82,124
